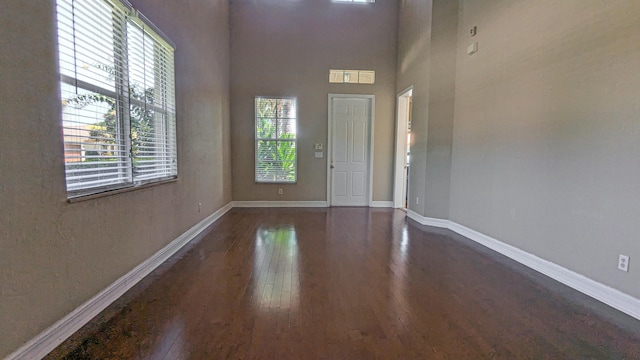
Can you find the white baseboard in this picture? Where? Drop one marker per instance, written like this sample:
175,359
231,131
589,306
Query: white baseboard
244,204
603,293
286,204
49,339
441,223
381,204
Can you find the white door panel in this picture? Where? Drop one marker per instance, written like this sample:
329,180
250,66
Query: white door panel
359,142
351,119
357,182
340,143
340,183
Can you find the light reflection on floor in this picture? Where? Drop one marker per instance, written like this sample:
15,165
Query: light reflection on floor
172,341
398,286
276,282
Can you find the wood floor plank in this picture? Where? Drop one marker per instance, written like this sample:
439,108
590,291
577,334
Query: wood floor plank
349,283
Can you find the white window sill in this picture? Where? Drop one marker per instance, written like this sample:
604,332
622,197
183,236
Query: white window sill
105,193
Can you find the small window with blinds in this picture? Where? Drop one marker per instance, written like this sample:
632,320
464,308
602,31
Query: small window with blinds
276,143
118,100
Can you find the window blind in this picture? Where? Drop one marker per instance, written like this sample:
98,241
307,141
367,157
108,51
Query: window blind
118,102
152,104
91,58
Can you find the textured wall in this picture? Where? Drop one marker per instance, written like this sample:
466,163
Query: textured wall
427,61
286,48
546,131
54,255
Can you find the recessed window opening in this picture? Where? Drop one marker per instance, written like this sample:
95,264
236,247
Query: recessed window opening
118,97
276,140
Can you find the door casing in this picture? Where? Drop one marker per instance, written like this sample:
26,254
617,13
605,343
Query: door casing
400,190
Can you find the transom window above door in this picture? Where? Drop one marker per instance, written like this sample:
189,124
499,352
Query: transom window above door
356,1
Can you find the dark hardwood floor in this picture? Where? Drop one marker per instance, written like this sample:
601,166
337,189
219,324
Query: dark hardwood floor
348,283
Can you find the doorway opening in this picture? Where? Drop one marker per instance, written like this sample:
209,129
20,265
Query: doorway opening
403,149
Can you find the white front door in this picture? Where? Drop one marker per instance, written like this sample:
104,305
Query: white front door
350,139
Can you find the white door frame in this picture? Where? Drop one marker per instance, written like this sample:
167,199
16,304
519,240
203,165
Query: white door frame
372,104
400,181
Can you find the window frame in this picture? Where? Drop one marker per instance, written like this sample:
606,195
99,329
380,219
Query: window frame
276,139
84,139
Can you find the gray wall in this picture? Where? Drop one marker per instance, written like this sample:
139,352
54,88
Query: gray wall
54,255
546,132
427,61
441,106
286,48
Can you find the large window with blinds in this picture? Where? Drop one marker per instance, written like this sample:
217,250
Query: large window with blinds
276,143
118,101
